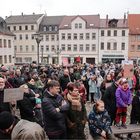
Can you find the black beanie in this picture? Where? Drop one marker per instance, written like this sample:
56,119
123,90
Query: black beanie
6,120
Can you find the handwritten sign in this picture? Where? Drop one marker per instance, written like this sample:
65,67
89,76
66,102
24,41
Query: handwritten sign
65,61
14,94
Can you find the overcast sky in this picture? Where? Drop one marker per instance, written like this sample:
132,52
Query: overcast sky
114,8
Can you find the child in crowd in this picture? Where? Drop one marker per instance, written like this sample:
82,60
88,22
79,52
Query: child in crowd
123,100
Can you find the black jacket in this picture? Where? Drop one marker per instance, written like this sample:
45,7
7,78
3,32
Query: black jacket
26,107
109,99
64,80
54,121
3,106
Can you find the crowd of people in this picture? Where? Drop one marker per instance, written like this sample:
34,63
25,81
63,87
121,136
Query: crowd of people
55,98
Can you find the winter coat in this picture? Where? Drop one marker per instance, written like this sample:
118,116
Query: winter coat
54,121
99,122
92,86
19,80
109,99
135,112
4,106
26,107
123,98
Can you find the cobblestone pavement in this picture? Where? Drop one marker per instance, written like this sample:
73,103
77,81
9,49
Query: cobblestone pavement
124,137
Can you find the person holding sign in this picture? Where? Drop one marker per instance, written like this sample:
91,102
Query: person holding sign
3,106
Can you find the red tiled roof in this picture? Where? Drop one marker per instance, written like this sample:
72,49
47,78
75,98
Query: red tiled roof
120,24
134,23
90,19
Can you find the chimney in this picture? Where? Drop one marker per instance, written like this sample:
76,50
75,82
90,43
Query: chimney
22,13
106,19
33,13
124,18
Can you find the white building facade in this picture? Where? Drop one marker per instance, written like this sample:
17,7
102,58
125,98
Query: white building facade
113,41
24,27
6,45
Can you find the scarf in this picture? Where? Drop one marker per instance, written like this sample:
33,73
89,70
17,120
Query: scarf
75,102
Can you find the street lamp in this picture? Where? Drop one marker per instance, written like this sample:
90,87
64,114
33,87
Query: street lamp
38,38
58,52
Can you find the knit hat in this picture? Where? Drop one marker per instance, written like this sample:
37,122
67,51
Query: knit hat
6,120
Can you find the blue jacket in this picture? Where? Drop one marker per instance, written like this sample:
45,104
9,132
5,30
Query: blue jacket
92,86
99,122
123,98
54,121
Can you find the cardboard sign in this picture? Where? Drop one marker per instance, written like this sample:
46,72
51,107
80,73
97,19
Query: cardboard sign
13,94
108,84
65,61
128,68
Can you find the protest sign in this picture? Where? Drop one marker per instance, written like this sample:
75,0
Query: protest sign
13,94
65,61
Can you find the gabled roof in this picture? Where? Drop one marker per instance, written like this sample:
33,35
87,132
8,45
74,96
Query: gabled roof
23,19
120,24
134,23
4,29
90,19
51,20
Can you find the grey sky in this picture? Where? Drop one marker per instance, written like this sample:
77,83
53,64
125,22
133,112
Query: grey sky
114,8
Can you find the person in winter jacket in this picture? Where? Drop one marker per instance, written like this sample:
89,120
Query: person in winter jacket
100,122
76,115
54,108
123,100
93,88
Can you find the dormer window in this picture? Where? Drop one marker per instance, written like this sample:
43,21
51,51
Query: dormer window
44,29
113,23
55,28
50,28
76,26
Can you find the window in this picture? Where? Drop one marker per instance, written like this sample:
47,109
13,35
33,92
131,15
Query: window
26,37
63,47
123,46
87,47
15,37
15,48
52,48
75,36
108,46
52,37
69,36
115,32
63,36
81,49
28,59
0,43
26,27
76,26
93,35
44,28
27,48
20,27
10,59
21,49
9,43
87,36
108,33
50,28
69,47
41,48
32,27
102,45
75,48
138,37
33,48
14,28
93,47
81,36
32,36
57,37
115,46
123,32
19,59
1,62
9,28
138,48
102,33
132,48
5,58
80,25
20,37
5,43
47,37
47,48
